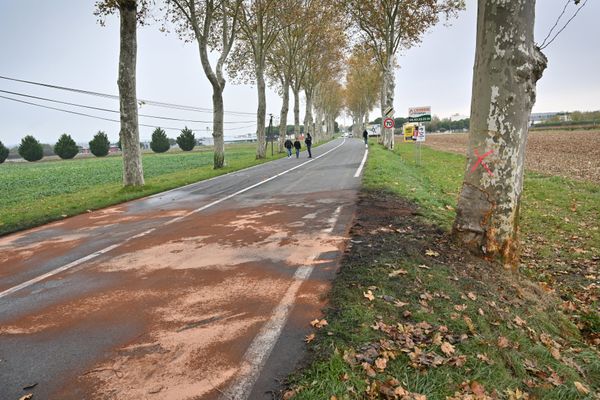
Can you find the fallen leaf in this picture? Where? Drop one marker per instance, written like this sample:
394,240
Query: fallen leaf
381,363
484,358
480,311
503,342
581,388
289,394
447,348
470,324
399,303
369,370
431,253
333,398
472,296
461,307
400,391
423,266
397,272
319,323
344,377
309,338
26,397
369,295
477,389
519,321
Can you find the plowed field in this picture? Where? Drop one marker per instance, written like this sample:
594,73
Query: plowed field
571,154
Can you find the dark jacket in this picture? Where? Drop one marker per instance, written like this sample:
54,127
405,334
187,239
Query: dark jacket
288,144
365,134
297,144
308,141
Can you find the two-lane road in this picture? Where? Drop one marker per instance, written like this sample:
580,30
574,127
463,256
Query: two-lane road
205,291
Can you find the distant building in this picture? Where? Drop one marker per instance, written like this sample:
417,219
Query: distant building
536,118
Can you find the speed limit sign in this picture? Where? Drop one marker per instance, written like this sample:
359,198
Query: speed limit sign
388,123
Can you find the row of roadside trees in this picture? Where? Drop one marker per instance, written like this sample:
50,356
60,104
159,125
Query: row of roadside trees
31,149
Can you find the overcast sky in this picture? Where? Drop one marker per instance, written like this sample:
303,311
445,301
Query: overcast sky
60,42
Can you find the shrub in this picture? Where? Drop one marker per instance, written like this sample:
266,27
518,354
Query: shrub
66,148
160,142
99,145
3,153
30,149
186,139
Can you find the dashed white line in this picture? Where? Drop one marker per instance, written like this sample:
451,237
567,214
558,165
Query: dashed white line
114,246
261,347
362,164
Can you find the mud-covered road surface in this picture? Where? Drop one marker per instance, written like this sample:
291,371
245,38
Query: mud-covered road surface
203,292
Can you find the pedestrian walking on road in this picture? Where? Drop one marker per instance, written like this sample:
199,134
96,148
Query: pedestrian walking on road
308,142
366,137
297,146
288,146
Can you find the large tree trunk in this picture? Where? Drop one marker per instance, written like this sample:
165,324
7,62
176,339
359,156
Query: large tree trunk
388,101
308,112
319,126
296,112
261,112
507,67
133,172
219,142
283,115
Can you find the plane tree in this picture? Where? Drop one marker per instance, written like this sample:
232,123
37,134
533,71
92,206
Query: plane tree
260,23
507,66
388,26
363,85
214,26
131,12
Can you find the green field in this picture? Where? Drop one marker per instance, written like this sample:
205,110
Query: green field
34,193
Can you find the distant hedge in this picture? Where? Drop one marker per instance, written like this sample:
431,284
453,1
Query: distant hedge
3,153
30,149
186,140
66,148
160,141
100,145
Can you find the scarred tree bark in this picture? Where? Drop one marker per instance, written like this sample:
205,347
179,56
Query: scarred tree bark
507,67
133,173
387,96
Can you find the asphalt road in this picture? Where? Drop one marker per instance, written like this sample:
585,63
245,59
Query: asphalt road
202,292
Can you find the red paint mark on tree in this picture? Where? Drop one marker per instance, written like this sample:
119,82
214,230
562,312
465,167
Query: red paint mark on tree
483,164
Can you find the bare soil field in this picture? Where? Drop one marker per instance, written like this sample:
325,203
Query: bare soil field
571,154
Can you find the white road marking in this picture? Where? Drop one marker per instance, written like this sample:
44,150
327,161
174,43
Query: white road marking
261,347
57,271
114,246
362,164
332,221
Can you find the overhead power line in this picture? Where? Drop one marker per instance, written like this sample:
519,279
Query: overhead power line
103,118
114,111
115,97
546,43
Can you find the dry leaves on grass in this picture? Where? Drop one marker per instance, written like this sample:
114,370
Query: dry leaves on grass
431,253
309,338
397,272
369,295
319,323
581,388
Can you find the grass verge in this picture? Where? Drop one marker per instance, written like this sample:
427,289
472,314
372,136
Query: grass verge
412,316
32,194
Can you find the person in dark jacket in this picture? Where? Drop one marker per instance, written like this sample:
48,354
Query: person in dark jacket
308,142
288,146
366,137
297,146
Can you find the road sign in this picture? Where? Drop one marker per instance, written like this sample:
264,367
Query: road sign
419,114
388,123
388,112
408,132
421,134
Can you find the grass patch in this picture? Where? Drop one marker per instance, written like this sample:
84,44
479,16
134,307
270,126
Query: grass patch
412,315
32,194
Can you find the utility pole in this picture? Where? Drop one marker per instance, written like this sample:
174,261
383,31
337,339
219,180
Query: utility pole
270,135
